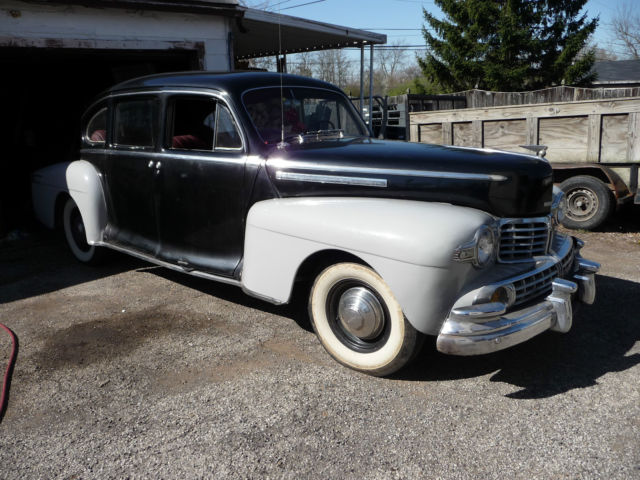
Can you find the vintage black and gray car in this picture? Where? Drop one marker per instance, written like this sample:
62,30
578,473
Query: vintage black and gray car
263,180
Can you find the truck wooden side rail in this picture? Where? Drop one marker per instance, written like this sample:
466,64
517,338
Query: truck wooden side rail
593,145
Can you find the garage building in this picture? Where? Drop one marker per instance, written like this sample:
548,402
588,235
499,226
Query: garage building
58,55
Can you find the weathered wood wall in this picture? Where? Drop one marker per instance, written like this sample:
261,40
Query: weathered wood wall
592,130
605,131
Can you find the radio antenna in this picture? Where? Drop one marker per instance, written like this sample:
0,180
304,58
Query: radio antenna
280,65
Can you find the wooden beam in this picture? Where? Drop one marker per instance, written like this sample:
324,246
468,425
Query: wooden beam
532,131
476,129
634,137
593,138
447,133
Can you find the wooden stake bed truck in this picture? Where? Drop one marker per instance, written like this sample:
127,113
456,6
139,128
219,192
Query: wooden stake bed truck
593,146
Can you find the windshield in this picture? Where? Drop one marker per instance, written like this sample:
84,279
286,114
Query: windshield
302,111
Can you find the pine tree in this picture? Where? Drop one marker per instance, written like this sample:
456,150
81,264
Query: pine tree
508,45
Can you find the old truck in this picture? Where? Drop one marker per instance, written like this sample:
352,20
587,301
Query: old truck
591,139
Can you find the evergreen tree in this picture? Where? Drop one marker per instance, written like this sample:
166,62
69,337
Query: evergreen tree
508,45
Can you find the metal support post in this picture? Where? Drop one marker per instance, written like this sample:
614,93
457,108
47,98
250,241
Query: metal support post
362,80
371,88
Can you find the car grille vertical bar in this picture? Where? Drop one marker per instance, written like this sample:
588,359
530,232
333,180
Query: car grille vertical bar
534,286
522,239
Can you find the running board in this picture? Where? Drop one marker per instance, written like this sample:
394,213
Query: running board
177,268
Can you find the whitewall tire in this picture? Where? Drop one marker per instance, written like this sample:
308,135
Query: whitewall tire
74,234
359,322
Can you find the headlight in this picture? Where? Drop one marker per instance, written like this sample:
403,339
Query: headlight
486,246
480,250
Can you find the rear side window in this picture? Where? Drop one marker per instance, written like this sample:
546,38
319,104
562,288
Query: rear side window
133,123
96,132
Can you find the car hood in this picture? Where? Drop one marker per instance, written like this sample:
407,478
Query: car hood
501,183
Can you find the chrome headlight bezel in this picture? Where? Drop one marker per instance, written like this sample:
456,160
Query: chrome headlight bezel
481,251
558,206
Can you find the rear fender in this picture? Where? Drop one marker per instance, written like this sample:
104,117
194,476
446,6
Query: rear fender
85,187
410,244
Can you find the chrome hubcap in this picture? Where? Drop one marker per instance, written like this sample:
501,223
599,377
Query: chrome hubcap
361,313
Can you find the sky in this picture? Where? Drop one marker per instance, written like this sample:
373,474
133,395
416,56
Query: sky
383,16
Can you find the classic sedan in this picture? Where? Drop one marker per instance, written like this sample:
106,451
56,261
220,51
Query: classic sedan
263,180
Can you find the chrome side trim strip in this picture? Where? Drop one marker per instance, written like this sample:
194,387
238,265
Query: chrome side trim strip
281,163
332,179
213,156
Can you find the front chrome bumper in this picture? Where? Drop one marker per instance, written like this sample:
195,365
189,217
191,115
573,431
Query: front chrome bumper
486,328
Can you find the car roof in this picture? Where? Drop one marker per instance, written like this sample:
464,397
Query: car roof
233,83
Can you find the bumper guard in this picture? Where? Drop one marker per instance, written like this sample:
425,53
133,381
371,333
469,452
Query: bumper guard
486,328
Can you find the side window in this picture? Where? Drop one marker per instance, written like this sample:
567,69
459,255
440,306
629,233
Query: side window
191,123
133,122
96,131
227,135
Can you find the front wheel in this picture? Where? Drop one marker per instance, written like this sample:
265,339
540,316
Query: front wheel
589,202
359,322
75,235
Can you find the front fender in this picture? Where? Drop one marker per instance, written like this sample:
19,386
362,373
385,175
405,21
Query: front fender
85,187
409,243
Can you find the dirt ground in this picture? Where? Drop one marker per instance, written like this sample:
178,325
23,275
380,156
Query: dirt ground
134,371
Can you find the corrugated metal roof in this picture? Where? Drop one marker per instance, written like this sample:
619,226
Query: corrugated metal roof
258,34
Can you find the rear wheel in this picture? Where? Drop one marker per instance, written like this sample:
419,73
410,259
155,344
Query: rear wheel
359,322
76,237
589,202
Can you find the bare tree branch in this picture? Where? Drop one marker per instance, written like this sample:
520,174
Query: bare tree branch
626,31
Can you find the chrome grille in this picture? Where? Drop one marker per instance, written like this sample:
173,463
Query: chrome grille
522,239
537,285
567,262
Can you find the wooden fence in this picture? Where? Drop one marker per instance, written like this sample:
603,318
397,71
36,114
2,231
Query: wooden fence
483,98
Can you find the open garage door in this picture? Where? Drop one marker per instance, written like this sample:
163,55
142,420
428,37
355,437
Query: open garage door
43,93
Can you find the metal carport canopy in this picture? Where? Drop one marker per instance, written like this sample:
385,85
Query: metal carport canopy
258,34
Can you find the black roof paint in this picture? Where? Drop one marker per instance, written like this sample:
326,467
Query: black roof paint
234,83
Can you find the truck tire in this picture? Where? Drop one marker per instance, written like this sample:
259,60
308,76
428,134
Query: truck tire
588,202
359,322
76,238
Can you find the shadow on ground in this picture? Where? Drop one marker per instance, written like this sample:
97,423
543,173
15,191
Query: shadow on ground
41,263
626,220
554,363
296,310
547,365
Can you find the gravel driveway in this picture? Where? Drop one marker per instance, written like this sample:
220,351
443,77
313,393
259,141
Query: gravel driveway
131,370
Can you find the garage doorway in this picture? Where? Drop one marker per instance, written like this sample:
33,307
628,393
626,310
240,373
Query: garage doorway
43,93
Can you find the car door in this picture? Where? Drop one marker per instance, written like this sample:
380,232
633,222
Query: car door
131,173
201,185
